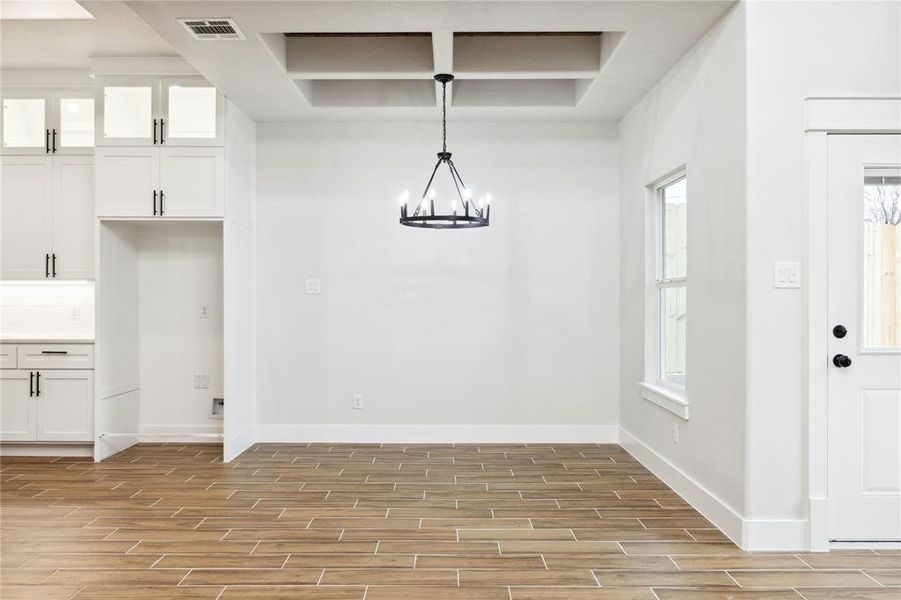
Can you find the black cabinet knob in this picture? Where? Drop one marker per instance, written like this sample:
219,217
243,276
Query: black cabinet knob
839,331
841,361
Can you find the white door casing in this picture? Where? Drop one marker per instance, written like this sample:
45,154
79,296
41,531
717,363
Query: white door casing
864,398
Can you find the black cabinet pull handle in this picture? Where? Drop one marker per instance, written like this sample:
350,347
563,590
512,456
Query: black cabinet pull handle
162,131
161,202
37,382
54,141
54,351
47,141
30,384
154,131
54,259
46,265
154,198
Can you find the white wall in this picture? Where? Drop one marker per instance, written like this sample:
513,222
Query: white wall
179,269
795,50
512,325
694,117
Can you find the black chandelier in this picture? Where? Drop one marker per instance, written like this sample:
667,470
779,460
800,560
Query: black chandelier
475,214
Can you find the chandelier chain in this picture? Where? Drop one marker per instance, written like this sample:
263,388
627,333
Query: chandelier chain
444,116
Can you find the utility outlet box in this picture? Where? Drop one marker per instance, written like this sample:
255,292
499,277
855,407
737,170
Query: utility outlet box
358,401
217,411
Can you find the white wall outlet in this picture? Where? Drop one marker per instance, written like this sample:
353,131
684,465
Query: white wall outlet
313,286
358,401
675,433
204,311
201,382
75,314
786,275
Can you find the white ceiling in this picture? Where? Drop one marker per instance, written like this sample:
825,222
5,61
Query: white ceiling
60,44
252,72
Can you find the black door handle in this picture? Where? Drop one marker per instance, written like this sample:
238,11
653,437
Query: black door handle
161,203
841,361
154,132
54,141
54,263
154,198
30,384
37,382
46,265
47,141
162,131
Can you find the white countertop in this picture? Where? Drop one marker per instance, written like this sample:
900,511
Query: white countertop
45,339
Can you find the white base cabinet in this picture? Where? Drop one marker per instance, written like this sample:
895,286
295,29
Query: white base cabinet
47,229
47,404
177,182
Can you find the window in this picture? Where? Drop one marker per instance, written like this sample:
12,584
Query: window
672,282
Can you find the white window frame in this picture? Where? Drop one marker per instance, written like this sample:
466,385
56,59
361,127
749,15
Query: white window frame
666,394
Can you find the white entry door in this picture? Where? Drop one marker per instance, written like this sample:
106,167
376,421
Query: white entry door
864,309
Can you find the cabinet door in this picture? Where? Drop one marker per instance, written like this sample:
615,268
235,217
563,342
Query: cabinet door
192,114
74,124
193,181
27,114
66,406
126,179
127,114
73,217
18,409
25,236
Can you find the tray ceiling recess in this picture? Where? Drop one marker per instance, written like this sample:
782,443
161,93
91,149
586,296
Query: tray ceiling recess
492,69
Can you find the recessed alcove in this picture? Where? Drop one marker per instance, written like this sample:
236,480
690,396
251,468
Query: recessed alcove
527,52
519,92
338,55
368,92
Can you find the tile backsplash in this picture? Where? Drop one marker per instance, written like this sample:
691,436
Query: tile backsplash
47,309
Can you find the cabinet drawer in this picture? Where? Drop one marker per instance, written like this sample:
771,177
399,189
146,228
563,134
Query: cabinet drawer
7,356
56,356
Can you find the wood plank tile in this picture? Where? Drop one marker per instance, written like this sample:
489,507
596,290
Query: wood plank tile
253,577
806,578
388,576
415,592
567,578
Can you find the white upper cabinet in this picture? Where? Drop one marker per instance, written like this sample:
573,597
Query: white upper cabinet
47,227
25,226
184,112
160,182
73,217
37,121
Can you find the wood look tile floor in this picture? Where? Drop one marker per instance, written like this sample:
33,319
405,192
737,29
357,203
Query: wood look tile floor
354,522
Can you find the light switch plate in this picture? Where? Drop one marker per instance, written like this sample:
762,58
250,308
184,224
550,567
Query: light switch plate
786,275
313,286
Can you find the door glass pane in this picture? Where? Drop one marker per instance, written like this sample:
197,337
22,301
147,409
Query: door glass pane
675,229
882,258
23,123
127,112
673,320
76,122
192,112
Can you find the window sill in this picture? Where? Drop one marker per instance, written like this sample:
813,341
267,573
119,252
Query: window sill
666,399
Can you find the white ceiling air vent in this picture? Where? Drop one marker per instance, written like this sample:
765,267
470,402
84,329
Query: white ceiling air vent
212,29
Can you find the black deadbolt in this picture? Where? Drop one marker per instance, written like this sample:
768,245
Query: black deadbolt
839,331
841,361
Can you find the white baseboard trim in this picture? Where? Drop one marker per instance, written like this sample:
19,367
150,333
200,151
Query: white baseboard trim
237,444
703,500
775,534
439,434
32,449
158,434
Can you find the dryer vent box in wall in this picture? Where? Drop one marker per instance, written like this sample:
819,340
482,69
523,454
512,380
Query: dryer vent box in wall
218,408
212,29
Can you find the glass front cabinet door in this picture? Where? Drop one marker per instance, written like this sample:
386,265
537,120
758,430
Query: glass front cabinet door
48,121
185,112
